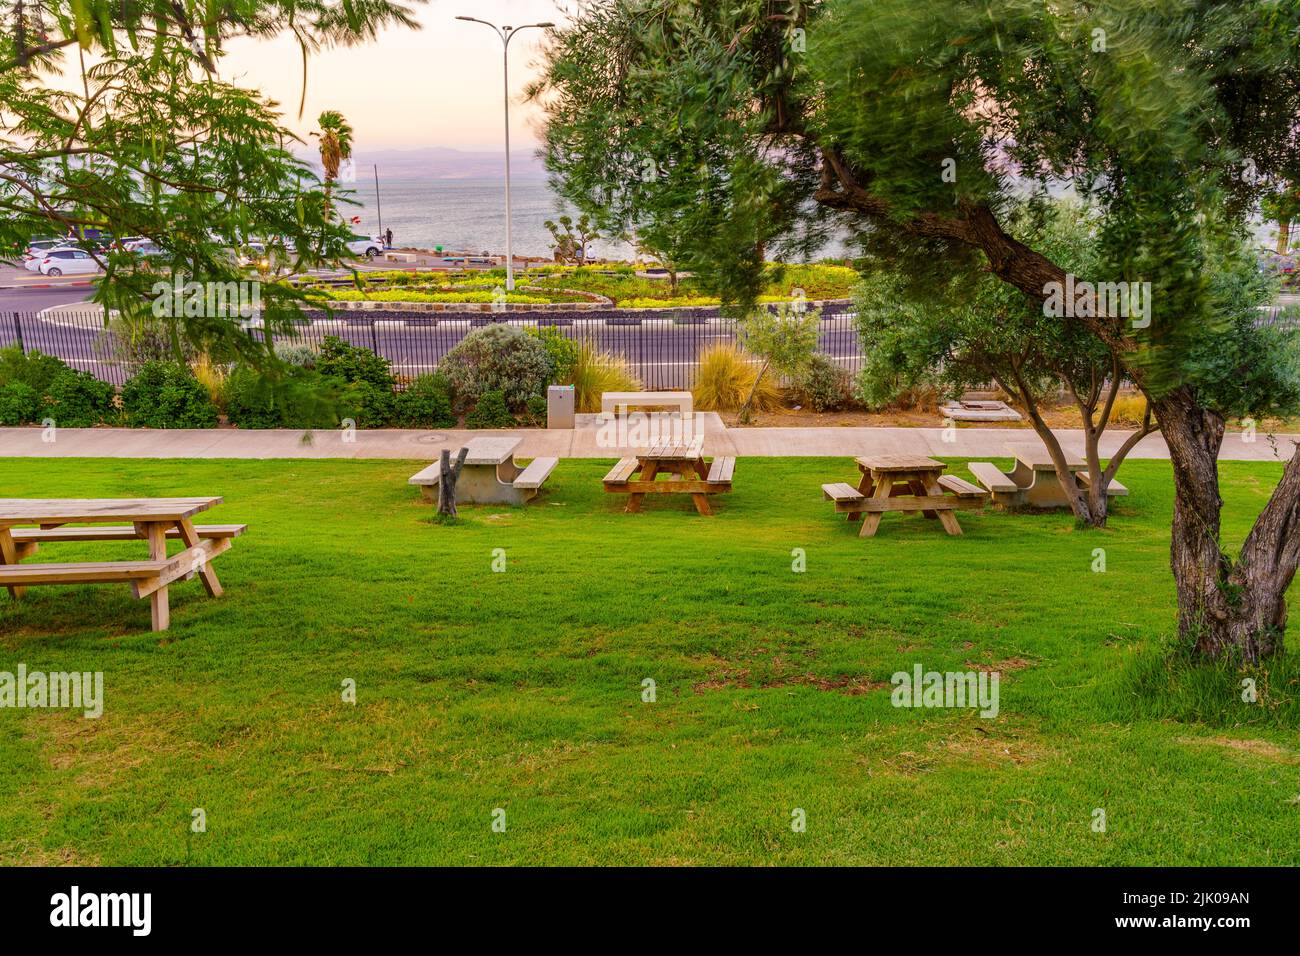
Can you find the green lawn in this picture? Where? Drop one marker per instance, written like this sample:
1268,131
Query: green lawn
522,690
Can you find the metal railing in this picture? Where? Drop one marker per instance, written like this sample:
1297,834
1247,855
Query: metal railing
662,347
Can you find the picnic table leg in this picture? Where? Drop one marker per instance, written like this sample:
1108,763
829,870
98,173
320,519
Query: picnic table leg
866,487
918,488
155,533
870,525
206,572
698,469
948,517
9,555
648,472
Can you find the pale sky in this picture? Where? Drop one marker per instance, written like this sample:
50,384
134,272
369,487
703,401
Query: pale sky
439,86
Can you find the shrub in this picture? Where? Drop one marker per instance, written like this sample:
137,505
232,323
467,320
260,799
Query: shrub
535,414
595,372
302,399
77,400
564,352
352,363
166,395
825,385
369,405
1128,409
498,358
726,377
19,404
299,356
33,369
426,403
490,412
212,376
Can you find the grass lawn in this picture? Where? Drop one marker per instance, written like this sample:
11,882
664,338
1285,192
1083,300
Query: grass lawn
522,690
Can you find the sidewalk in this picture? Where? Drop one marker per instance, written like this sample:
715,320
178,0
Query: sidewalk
583,442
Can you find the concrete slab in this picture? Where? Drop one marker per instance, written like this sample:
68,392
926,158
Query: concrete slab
586,441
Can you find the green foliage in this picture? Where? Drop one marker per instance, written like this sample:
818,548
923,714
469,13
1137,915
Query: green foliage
302,398
498,358
167,395
825,385
147,138
34,369
425,403
78,400
490,412
596,372
19,404
565,352
353,363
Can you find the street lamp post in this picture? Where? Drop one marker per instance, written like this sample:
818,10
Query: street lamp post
505,33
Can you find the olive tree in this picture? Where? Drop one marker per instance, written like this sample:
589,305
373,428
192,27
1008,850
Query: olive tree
914,124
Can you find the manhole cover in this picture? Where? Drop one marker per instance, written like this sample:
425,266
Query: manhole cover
431,438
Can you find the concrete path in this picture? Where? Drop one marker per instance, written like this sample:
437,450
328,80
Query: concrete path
587,441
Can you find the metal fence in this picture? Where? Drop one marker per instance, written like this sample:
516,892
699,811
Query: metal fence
663,347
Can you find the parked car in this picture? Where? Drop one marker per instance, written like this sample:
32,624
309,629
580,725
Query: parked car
370,247
36,252
67,261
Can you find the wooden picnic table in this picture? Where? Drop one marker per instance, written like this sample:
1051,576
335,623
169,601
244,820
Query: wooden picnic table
153,520
683,468
906,483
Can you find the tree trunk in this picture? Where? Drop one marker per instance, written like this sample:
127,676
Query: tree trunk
447,482
744,415
1283,236
1225,609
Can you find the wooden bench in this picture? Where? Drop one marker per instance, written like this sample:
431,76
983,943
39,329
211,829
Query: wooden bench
992,478
620,473
961,487
29,540
842,491
616,403
1113,490
721,470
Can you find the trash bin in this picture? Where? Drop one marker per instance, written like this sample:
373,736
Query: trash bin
559,406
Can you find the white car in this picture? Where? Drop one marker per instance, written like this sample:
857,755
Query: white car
36,252
370,247
67,261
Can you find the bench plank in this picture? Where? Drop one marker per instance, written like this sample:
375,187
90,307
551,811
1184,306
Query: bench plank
538,470
621,472
721,471
842,491
989,475
961,487
119,533
427,476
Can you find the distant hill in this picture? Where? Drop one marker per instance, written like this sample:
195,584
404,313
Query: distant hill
440,162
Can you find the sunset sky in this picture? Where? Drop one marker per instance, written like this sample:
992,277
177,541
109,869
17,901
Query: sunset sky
439,86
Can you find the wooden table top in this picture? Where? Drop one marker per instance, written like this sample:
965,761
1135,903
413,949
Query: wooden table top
50,510
674,451
488,451
888,463
1035,456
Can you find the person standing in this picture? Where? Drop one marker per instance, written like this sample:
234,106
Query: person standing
388,238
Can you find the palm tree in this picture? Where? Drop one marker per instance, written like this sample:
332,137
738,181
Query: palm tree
335,147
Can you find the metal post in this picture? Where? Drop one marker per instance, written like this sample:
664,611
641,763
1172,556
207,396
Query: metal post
378,208
505,33
18,331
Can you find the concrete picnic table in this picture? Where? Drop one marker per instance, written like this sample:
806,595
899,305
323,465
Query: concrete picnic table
489,475
1033,482
906,483
154,520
